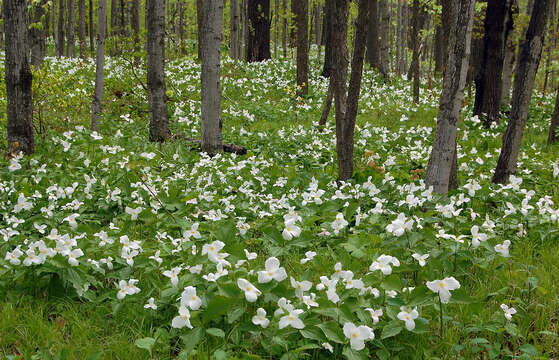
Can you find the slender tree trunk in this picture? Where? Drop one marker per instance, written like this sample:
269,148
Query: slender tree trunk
398,37
346,116
489,79
114,17
99,65
211,30
405,30
181,28
91,26
554,126
301,11
60,47
199,19
55,25
276,27
70,30
81,28
319,29
246,28
135,22
372,55
528,62
284,29
37,35
416,27
159,117
234,30
328,33
441,168
2,28
18,78
259,35
384,47
327,105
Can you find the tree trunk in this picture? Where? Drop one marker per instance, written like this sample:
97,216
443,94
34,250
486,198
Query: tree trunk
443,155
244,15
91,26
1,28
404,40
81,28
528,62
234,30
99,65
18,78
55,25
135,23
327,105
284,28
384,17
489,79
37,35
276,27
373,35
346,107
114,17
211,30
301,21
60,43
70,30
181,27
553,127
416,27
259,35
328,33
157,98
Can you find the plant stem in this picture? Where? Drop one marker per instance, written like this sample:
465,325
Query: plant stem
441,316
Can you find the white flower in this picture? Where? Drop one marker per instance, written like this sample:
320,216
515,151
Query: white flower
133,212
503,248
509,311
72,220
358,335
251,293
300,287
309,255
182,320
272,271
212,249
339,223
193,232
383,264
477,236
250,255
291,230
408,316
173,274
292,319
13,257
309,300
399,226
328,347
127,288
156,257
260,318
74,255
375,314
420,259
189,298
151,304
444,287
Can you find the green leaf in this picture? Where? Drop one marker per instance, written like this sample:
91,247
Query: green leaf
530,349
392,329
392,282
312,333
460,297
216,332
191,339
332,331
145,343
216,307
420,295
220,355
351,354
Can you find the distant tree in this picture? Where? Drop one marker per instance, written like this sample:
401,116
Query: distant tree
258,47
135,22
60,28
91,27
234,44
82,28
510,54
417,25
157,97
372,55
328,20
301,21
99,65
38,34
441,170
489,78
284,28
383,40
18,78
528,62
554,126
70,30
346,100
211,30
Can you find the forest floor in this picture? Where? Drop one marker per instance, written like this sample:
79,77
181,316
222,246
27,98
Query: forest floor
90,210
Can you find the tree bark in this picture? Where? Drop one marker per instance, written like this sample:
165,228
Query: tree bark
199,19
384,48
442,160
346,105
301,21
159,117
135,22
404,39
284,28
416,27
70,30
81,28
18,78
489,78
91,26
372,55
259,35
328,33
528,62
554,126
37,35
234,30
99,65
60,43
211,29
276,27
327,105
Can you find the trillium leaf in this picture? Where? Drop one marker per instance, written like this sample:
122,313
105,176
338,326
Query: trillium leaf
216,307
392,282
216,332
312,333
392,329
332,331
351,354
145,343
421,295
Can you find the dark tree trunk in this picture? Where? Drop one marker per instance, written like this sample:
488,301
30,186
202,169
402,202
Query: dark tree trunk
384,33
234,50
1,28
284,28
328,22
418,17
346,107
199,19
327,105
37,35
489,78
135,22
554,126
301,21
81,28
211,30
114,17
510,55
91,27
70,30
99,65
60,43
18,78
372,35
528,62
259,35
159,117
441,170
182,24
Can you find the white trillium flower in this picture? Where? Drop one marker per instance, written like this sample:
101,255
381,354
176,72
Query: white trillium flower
375,314
421,259
399,226
260,318
309,255
291,230
189,298
503,248
509,311
444,287
151,304
133,212
182,320
272,271
357,335
477,237
300,287
251,293
292,319
383,263
408,316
